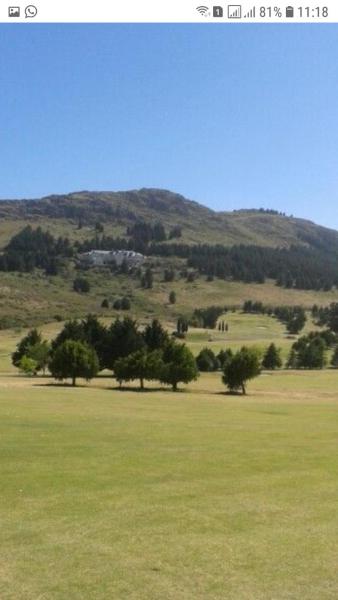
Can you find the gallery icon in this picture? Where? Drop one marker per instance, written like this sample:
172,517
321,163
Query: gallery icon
14,11
31,11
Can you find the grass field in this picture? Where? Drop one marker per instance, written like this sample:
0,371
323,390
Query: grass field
150,496
195,495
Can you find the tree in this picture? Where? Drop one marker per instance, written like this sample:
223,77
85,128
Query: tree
272,359
182,326
147,279
122,339
224,356
179,365
334,359
139,365
105,303
155,336
40,353
332,317
28,365
172,297
74,359
33,337
95,334
310,352
72,330
292,362
207,361
244,365
81,285
296,321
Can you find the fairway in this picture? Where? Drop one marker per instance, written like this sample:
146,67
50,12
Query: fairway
195,495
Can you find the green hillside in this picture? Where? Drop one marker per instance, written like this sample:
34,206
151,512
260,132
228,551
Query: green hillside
33,297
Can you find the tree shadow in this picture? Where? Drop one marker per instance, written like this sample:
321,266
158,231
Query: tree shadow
138,390
231,394
60,385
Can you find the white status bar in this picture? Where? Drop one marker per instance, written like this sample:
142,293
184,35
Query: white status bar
175,11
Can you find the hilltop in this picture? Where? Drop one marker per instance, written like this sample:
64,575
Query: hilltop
62,214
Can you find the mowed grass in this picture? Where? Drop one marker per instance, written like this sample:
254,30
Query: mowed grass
109,494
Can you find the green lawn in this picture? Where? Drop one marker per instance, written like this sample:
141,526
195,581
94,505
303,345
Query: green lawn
160,496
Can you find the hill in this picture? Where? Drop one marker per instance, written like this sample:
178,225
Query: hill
118,210
31,295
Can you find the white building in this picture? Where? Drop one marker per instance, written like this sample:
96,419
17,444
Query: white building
102,258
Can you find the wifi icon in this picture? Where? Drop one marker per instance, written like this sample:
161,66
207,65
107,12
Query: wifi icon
203,10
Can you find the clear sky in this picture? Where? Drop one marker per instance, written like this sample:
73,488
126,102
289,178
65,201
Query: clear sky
233,116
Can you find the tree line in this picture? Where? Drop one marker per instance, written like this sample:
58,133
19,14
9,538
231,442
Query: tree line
85,347
293,317
298,266
35,249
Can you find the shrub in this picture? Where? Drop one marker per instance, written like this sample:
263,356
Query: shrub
125,303
81,285
172,297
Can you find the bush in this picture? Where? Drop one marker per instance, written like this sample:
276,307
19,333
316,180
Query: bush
117,304
28,366
172,297
125,304
105,303
81,285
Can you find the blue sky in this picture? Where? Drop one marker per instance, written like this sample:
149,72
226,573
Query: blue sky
232,116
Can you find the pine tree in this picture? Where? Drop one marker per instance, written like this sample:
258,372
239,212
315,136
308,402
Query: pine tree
272,359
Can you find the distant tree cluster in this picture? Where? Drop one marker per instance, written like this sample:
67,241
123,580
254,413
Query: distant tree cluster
298,266
223,325
310,351
327,315
293,317
34,248
142,233
208,317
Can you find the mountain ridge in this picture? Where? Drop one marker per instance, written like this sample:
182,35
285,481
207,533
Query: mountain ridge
199,223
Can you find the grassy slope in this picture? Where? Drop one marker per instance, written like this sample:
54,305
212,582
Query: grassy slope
29,299
187,496
34,299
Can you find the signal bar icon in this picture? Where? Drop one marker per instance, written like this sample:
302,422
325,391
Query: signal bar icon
234,11
251,14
